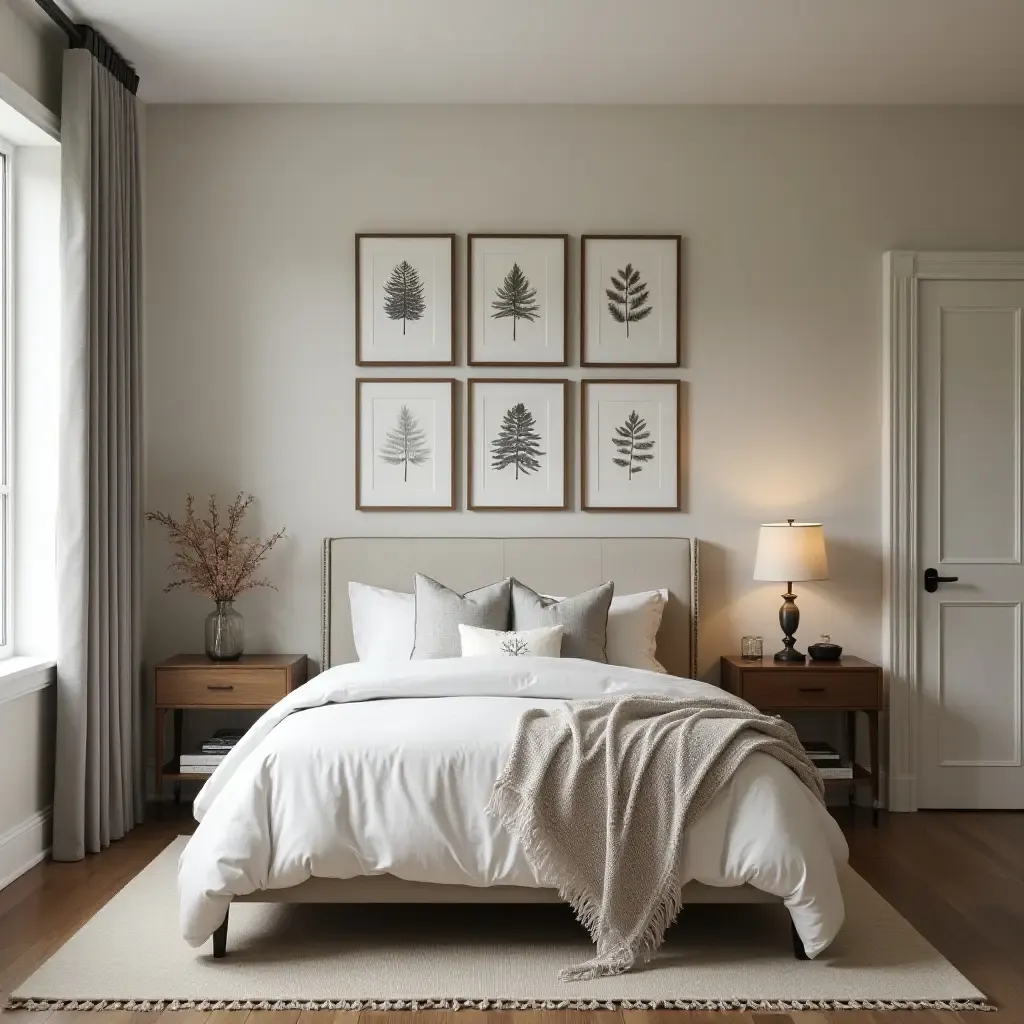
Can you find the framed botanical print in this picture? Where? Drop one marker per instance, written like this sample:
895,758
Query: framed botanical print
405,445
405,300
516,457
629,300
518,300
631,445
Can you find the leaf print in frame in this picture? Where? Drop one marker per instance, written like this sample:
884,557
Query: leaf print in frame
406,444
633,445
515,298
627,297
518,443
403,291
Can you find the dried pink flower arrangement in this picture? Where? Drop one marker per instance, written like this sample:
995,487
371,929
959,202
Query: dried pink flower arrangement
212,557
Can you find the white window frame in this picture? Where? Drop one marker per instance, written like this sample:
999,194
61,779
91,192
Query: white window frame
7,397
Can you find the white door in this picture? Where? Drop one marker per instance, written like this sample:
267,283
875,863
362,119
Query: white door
969,509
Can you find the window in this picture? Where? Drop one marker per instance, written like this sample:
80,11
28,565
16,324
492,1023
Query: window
6,385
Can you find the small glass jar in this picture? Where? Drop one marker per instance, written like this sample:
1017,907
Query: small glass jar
752,648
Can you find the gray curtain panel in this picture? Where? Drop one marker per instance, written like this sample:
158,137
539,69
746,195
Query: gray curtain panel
98,791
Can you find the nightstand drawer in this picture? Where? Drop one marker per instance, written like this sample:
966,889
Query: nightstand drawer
810,689
220,686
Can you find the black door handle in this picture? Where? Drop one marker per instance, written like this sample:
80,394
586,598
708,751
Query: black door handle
932,579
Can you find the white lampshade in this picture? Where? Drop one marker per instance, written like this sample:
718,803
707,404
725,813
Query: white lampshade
790,552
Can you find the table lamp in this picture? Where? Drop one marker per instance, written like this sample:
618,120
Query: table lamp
790,552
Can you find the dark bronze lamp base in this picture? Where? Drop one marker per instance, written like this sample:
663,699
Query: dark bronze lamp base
789,619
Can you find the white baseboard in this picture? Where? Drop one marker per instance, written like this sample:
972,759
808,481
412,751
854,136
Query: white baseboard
24,846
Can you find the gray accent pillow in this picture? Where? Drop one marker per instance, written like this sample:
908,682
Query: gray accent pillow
440,611
584,618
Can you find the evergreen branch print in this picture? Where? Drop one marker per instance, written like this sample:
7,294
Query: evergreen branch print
627,297
514,645
405,445
633,445
515,299
518,443
403,293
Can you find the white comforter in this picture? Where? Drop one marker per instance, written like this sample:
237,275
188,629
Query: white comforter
359,785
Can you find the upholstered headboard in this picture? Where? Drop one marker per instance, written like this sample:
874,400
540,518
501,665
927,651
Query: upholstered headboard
551,565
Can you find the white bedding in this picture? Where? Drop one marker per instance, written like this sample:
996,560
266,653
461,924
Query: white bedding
359,785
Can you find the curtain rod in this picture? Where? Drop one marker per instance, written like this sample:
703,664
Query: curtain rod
87,38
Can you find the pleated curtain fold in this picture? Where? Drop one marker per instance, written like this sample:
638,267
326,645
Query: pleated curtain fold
99,787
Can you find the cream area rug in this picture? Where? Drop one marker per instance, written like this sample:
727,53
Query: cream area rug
730,957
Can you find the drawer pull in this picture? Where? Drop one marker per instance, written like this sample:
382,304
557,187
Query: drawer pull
812,689
214,686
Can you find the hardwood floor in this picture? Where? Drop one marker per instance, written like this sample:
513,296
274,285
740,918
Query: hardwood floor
957,877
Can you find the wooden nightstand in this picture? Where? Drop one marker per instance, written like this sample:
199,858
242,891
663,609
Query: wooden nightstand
193,682
849,685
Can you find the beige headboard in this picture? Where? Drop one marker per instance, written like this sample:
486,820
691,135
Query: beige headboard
551,565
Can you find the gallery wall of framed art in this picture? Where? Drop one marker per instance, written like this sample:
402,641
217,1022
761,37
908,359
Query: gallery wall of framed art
518,434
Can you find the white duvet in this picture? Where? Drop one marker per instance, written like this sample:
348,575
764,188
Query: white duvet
372,769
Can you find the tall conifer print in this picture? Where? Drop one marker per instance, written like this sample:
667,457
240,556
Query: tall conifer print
633,445
515,299
406,444
518,443
627,297
403,294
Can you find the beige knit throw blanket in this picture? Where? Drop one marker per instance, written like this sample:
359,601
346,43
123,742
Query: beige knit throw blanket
601,792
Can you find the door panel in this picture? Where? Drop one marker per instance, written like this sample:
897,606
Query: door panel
970,527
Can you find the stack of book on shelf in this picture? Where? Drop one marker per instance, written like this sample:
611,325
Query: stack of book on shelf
829,761
210,753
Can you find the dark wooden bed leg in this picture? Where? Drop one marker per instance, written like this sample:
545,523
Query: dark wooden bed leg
220,938
798,947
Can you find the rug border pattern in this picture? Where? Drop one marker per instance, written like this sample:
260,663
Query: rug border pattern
741,1005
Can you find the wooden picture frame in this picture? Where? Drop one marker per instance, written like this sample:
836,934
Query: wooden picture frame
544,300
485,491
658,319
414,293
398,439
667,434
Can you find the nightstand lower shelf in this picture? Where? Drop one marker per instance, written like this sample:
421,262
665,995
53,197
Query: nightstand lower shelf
172,770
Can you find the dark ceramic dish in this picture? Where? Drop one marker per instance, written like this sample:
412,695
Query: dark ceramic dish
825,652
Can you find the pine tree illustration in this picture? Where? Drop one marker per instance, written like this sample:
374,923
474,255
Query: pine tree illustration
404,294
515,298
515,646
517,443
406,445
627,296
632,444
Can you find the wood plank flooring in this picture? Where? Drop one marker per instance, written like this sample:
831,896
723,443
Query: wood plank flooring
957,877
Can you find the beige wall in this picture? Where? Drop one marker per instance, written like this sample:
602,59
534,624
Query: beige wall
785,212
31,49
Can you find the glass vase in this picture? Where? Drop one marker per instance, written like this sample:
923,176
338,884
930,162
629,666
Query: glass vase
225,633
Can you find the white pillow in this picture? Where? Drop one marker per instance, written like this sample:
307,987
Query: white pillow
543,642
633,624
383,623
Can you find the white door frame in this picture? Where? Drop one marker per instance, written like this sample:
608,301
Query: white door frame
901,581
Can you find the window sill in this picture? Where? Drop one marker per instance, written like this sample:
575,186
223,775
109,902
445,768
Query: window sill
21,676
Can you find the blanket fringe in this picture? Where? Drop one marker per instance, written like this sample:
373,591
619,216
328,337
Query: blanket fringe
734,1005
508,806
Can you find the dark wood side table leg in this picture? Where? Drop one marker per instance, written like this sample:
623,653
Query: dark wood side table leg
851,753
179,716
873,740
161,715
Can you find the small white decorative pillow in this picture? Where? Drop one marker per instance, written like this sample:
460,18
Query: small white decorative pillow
545,642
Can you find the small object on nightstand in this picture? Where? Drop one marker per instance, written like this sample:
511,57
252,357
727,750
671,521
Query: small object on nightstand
752,648
849,685
826,650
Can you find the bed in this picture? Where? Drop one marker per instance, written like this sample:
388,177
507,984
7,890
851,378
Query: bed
251,846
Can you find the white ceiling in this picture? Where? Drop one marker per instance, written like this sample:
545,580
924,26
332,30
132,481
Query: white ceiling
570,51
